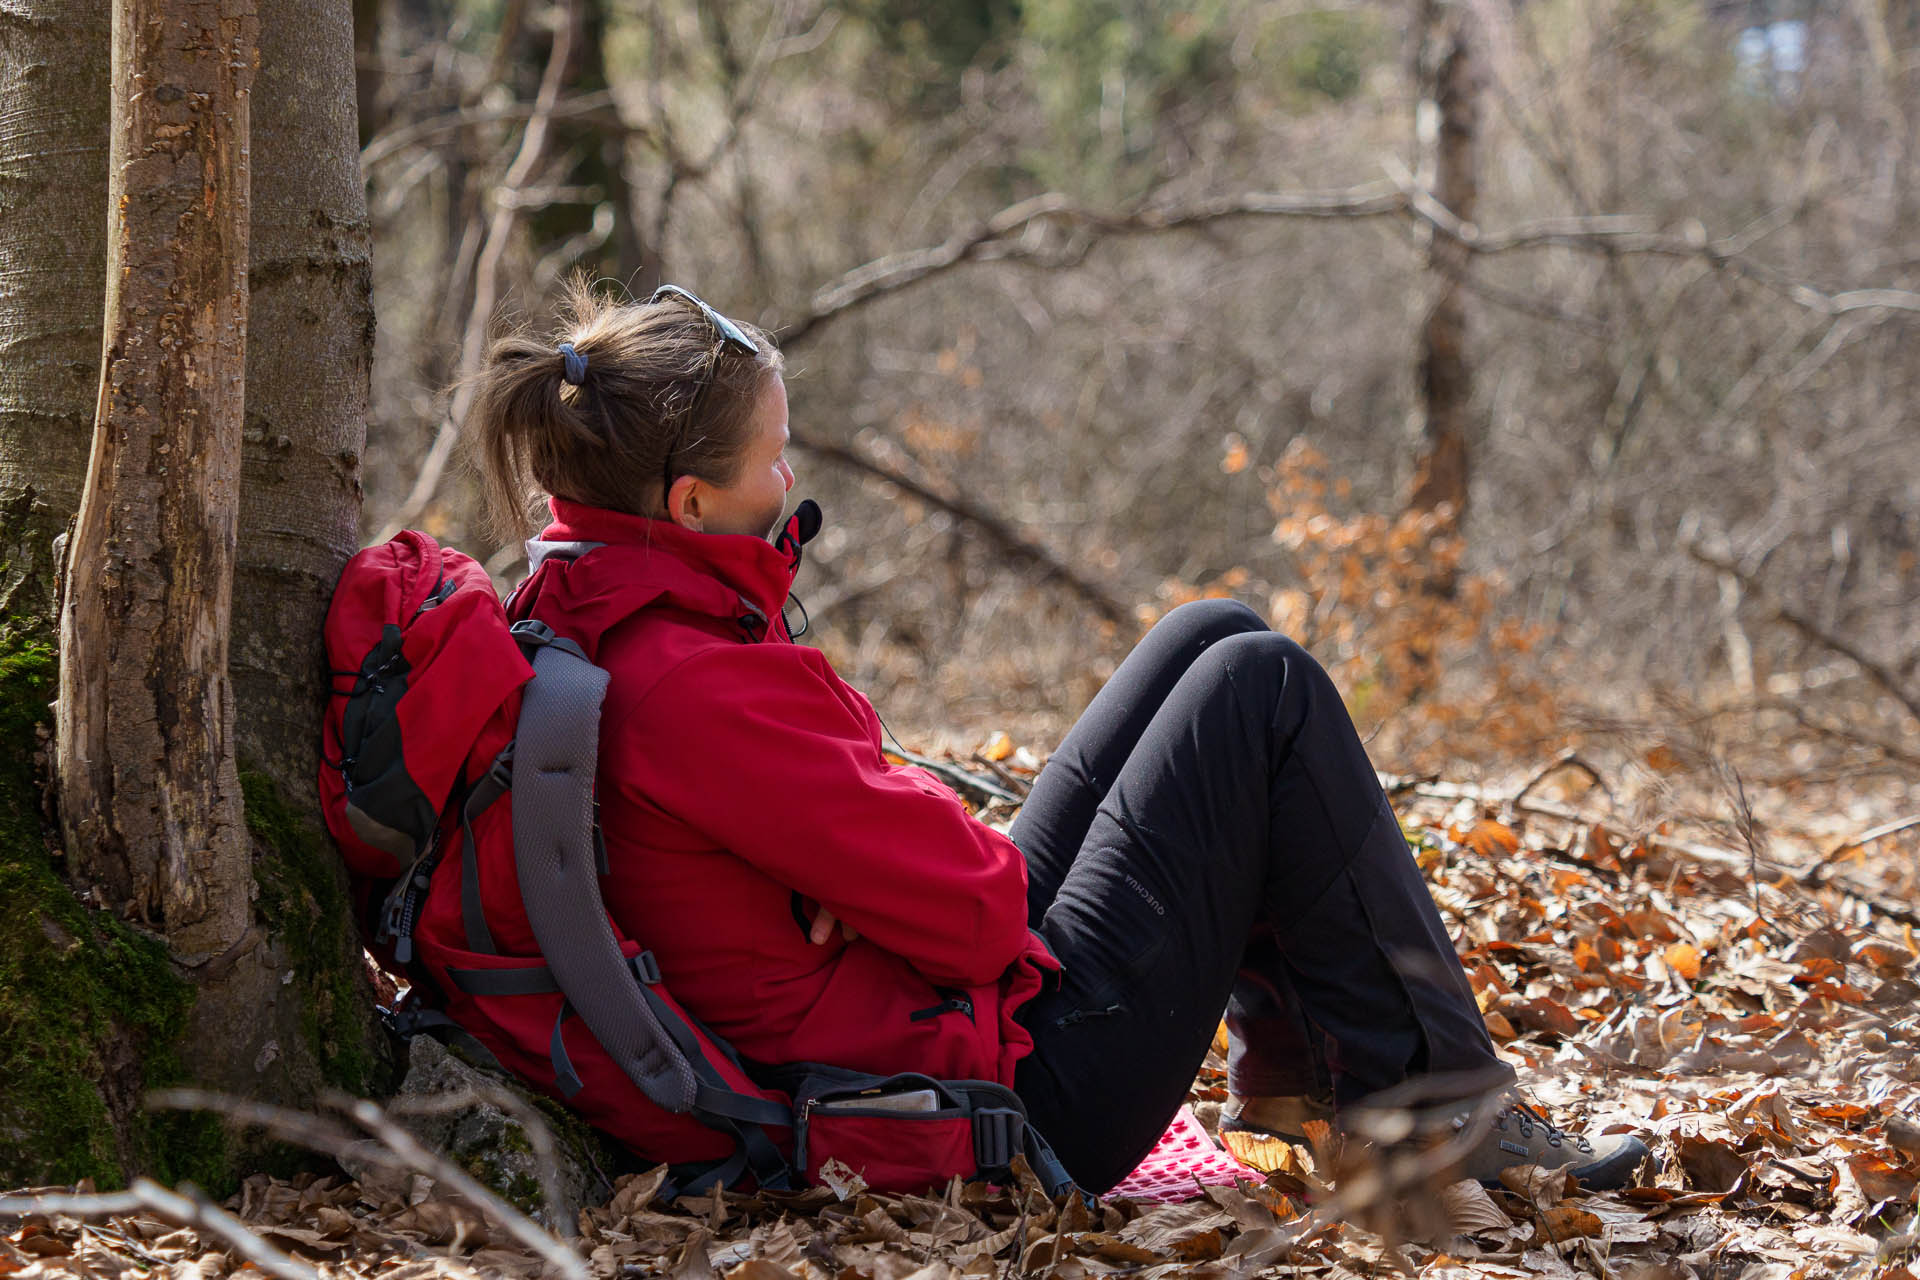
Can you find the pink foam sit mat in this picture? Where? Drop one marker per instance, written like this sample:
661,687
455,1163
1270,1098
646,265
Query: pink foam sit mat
1184,1160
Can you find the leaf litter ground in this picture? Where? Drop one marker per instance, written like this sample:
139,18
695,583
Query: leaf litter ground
1755,1020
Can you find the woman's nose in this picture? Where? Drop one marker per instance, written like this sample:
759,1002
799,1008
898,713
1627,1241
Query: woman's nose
786,473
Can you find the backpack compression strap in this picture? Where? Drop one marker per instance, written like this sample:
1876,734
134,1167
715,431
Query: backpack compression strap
554,759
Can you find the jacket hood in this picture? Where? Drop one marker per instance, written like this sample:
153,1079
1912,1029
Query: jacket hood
597,567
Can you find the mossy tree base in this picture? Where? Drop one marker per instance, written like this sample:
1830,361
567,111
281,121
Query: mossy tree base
94,1013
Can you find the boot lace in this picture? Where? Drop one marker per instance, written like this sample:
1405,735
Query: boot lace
1525,1119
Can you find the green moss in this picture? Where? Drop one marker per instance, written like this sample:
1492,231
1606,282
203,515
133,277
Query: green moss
83,997
305,904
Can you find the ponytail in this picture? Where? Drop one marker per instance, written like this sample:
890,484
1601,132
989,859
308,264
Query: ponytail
590,414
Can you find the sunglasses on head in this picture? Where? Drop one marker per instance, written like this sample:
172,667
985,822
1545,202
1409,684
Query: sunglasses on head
726,334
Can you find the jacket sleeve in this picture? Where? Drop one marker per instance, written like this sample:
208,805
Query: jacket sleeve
771,756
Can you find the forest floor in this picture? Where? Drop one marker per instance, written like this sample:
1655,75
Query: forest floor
1743,999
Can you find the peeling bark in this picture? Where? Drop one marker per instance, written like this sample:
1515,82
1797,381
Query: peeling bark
150,799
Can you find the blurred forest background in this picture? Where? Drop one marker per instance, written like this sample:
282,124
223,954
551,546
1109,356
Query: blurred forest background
1094,306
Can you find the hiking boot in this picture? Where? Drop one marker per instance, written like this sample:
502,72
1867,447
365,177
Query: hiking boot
1504,1132
1278,1116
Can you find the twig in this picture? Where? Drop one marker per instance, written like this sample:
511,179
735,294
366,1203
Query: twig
1102,601
533,144
403,1152
1844,733
518,1225
1817,873
1875,903
1749,828
957,776
539,1134
396,140
1877,672
1015,783
316,1133
187,1206
1565,760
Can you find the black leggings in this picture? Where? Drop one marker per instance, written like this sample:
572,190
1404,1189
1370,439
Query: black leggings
1211,834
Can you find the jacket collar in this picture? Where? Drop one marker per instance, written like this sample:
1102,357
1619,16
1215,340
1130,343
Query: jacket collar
660,553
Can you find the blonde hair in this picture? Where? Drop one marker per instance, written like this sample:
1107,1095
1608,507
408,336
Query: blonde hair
605,442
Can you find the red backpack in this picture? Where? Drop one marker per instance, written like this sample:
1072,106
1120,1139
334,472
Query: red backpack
454,739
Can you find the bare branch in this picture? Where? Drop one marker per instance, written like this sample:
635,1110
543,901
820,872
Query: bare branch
990,238
598,105
1008,539
1818,872
1874,670
1014,231
403,1151
533,145
518,1225
188,1207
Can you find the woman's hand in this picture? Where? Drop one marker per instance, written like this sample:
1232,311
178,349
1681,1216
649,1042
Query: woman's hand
822,929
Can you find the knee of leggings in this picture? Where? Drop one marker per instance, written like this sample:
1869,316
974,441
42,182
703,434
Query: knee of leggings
1269,651
1215,619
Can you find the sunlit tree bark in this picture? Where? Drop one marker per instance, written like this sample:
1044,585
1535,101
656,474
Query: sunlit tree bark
150,799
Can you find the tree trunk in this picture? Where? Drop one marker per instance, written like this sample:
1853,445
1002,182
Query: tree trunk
53,182
149,798
93,1013
1446,377
307,380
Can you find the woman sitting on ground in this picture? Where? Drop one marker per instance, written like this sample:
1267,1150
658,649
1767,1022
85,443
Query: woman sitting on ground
1209,835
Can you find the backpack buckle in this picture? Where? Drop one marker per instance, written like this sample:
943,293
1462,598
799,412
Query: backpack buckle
645,968
531,632
501,770
996,1136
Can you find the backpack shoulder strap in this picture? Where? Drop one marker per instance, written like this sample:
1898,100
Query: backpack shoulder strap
555,755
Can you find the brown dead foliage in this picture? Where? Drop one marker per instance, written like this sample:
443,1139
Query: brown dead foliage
1759,1035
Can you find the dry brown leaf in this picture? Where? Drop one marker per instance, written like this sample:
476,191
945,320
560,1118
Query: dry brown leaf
690,1261
1710,1165
636,1191
1492,839
1160,1228
1903,1135
1880,1179
1565,1222
760,1269
1202,1247
1256,1250
1249,1213
441,1222
1470,1211
1111,1248
1684,959
39,1243
1537,1186
1260,1151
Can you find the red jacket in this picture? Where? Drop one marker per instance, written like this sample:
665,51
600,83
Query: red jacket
742,784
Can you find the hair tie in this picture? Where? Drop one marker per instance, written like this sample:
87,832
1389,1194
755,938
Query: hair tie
575,373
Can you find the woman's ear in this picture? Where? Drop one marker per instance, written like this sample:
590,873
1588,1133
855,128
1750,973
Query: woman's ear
683,502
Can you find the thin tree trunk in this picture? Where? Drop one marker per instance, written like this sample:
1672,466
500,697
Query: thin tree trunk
53,181
1446,376
307,377
150,802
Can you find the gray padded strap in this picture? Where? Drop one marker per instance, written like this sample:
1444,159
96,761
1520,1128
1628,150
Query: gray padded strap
553,767
492,785
472,915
